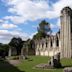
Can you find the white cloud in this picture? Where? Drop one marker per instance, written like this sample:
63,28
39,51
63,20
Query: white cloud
58,6
15,19
30,10
35,26
1,20
58,23
52,26
33,10
23,35
53,33
5,35
3,31
27,10
7,26
31,36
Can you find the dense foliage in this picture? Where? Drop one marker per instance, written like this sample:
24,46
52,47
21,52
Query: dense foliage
16,43
4,49
43,30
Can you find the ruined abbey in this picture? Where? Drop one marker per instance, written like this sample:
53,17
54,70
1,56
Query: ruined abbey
61,42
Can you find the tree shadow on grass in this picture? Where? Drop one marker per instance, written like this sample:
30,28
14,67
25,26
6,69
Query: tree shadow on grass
67,66
7,67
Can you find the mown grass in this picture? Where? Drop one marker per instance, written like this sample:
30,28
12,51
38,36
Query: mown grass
29,64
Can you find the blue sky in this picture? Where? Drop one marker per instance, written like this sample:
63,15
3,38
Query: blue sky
20,18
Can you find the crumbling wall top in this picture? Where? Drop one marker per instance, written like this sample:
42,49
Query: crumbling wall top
66,10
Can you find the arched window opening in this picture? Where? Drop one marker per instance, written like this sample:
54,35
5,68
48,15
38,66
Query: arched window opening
51,43
42,45
46,44
57,42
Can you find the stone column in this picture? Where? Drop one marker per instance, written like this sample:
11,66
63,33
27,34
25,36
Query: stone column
36,48
22,53
54,45
61,37
9,54
44,46
49,46
66,23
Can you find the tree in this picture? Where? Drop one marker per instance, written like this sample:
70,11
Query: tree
4,50
39,35
44,27
4,47
43,30
16,43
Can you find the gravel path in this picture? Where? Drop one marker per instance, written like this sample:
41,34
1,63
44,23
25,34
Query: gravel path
14,62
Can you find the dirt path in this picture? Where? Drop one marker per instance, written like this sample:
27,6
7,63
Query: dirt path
14,62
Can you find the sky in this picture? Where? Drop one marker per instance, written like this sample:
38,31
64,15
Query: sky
20,18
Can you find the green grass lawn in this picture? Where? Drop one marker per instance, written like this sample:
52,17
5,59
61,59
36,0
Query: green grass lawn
28,65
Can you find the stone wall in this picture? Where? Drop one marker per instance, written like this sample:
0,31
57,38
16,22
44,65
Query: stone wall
60,42
48,46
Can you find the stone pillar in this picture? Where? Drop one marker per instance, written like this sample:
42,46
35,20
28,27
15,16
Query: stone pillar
54,45
37,49
66,50
49,46
43,46
22,50
22,53
54,42
9,54
46,42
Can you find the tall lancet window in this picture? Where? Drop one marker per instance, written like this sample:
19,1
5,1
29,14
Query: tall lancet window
51,43
57,42
46,44
42,45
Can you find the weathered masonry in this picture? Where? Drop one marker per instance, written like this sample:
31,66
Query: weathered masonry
66,32
48,46
61,42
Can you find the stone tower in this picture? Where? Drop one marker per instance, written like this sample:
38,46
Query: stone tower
66,32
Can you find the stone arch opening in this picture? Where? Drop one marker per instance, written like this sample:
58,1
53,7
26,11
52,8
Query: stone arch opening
51,43
57,42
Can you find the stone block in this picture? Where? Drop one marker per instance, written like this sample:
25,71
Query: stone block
67,69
